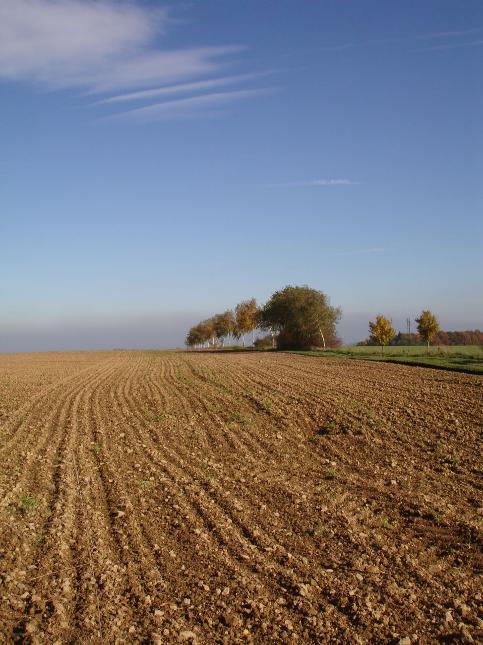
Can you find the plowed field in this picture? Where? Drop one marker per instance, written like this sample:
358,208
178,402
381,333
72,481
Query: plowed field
229,498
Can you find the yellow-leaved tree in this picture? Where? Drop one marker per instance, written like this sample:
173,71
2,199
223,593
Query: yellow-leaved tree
246,316
382,331
428,326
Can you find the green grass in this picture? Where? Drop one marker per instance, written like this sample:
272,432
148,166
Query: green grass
28,504
460,358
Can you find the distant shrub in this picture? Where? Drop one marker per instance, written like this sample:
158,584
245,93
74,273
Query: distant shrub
263,342
468,337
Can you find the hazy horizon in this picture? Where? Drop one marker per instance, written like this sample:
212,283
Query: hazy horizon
149,330
162,163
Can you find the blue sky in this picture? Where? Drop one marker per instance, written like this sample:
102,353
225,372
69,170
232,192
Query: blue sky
161,162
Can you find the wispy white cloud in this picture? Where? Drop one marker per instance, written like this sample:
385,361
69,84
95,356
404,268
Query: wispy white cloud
187,106
182,88
407,39
473,43
100,46
113,46
318,182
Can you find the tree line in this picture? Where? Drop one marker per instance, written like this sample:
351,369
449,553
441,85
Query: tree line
296,317
216,330
466,337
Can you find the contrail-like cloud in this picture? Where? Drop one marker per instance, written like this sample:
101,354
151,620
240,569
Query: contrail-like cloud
318,182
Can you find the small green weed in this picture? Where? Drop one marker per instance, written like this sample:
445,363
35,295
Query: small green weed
320,530
237,417
385,523
451,460
326,429
96,448
438,517
28,504
370,413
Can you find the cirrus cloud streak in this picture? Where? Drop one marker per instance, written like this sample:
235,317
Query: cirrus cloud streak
112,47
99,46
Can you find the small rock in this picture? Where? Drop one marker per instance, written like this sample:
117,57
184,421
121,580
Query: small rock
304,590
467,637
464,610
404,641
188,636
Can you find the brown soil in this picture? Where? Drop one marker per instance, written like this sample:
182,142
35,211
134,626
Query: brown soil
231,498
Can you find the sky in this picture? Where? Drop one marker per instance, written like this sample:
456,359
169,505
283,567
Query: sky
161,162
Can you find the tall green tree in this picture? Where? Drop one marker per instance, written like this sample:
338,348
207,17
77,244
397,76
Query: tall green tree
302,317
428,326
382,331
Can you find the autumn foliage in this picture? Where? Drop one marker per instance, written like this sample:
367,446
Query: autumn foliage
428,326
382,331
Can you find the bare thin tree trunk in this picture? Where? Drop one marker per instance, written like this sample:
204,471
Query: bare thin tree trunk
323,338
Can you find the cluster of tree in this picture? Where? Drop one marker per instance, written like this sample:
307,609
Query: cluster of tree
295,318
217,329
383,333
468,337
